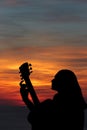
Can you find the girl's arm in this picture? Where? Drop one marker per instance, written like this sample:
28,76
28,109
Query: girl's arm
24,94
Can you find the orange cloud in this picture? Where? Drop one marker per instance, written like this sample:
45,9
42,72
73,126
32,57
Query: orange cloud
46,61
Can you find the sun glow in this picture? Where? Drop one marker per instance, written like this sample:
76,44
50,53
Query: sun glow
45,65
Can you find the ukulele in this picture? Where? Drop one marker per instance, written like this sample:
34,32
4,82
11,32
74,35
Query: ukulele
26,70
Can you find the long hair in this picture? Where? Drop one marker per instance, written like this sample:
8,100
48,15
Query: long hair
68,82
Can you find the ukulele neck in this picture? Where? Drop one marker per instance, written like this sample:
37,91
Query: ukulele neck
32,91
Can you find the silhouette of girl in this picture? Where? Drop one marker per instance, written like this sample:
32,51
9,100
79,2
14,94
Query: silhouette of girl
69,102
64,111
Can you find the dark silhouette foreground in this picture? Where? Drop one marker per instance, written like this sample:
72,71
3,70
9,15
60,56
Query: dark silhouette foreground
64,112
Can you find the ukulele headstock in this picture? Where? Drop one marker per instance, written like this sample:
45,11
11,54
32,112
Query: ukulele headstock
25,70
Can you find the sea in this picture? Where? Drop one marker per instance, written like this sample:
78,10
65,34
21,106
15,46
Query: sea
15,118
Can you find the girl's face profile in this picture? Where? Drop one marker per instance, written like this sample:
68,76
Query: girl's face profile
55,85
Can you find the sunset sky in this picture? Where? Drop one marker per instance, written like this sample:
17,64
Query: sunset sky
49,34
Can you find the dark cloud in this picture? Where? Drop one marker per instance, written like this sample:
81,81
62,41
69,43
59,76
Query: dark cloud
42,16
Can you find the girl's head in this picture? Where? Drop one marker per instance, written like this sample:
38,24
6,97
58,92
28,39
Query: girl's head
65,81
